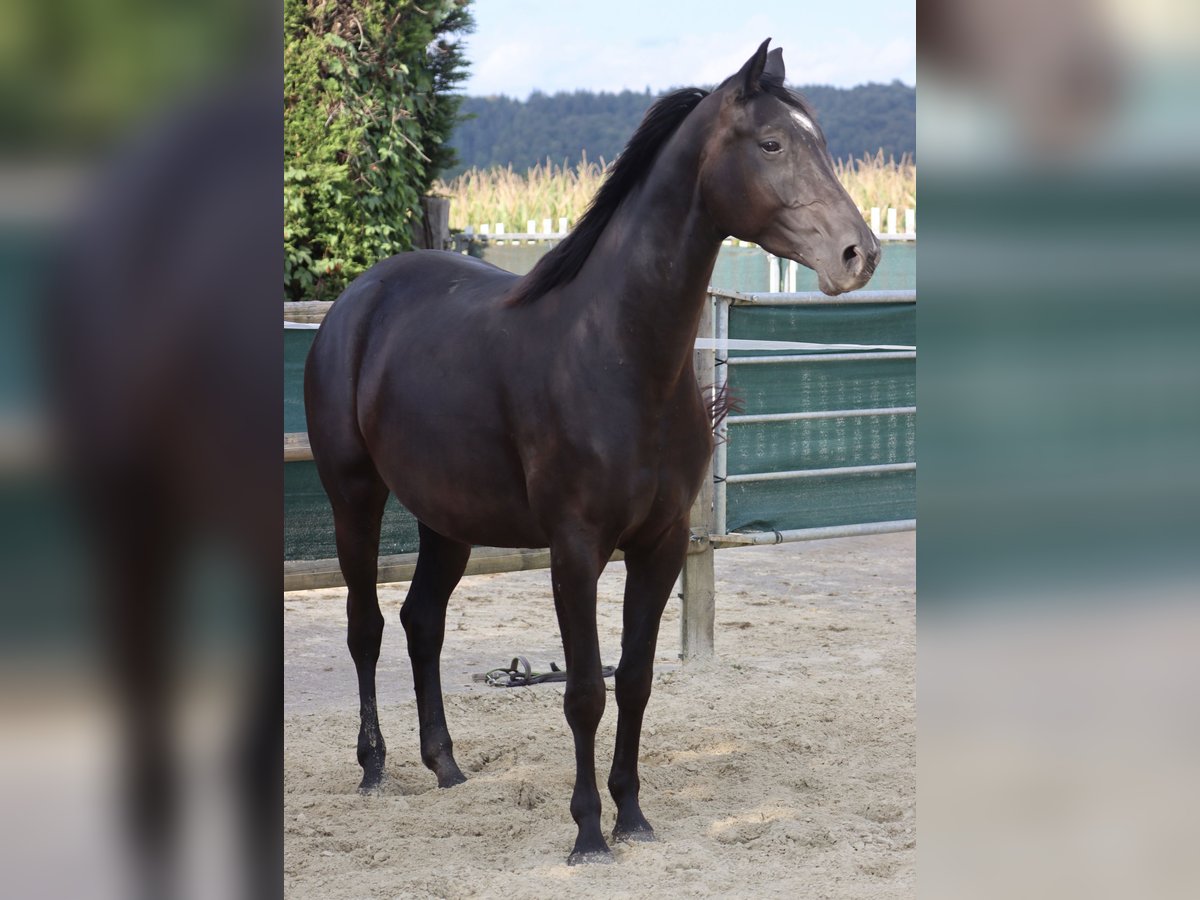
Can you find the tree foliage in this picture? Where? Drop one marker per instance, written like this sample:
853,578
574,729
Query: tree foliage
566,127
368,105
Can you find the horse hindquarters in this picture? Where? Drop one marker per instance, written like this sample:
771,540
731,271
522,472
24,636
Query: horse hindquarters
357,495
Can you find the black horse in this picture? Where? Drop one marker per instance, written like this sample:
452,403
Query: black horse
560,409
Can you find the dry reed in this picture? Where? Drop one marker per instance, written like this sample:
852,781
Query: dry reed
550,191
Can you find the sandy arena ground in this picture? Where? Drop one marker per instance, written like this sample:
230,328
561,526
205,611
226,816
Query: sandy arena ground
785,769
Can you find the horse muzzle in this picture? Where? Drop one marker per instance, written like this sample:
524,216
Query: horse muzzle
850,268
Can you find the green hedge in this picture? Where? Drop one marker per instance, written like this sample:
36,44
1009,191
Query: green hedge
369,103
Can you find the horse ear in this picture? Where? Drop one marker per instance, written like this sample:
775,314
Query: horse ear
774,67
747,79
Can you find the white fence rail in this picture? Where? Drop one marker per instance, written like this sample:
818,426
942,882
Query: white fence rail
884,222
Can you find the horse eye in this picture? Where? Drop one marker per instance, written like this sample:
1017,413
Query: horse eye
771,146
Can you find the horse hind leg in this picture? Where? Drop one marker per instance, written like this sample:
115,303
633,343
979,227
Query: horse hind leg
358,495
440,565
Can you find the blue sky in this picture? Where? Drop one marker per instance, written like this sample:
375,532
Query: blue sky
562,45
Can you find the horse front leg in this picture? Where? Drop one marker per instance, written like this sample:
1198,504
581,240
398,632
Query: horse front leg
574,567
650,574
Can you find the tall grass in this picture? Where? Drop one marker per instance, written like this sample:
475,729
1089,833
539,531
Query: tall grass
875,181
550,191
546,191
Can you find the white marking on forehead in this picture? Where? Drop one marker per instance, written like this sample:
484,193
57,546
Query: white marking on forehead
803,121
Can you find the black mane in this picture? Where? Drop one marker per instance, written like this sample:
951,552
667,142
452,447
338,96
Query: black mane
563,263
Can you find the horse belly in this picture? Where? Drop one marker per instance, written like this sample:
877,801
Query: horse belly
463,482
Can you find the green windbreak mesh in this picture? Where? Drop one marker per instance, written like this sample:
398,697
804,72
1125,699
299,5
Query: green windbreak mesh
872,383
897,270
742,268
26,264
308,521
296,342
818,502
882,323
737,268
821,443
809,387
307,518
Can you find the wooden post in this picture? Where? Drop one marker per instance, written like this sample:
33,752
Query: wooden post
431,226
875,217
699,577
891,220
910,221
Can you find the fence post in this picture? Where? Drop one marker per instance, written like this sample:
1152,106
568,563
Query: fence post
430,226
699,576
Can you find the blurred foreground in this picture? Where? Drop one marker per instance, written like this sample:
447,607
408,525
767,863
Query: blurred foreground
139,473
1058,495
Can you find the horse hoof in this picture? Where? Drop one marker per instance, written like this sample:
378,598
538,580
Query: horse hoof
449,781
371,783
590,857
644,834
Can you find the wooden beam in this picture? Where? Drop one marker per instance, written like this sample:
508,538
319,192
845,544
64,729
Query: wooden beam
295,446
307,574
306,311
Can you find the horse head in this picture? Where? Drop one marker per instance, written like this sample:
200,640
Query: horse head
766,176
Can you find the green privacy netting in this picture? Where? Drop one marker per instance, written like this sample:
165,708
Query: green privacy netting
871,383
308,522
760,388
897,270
810,386
741,268
821,443
817,502
871,323
296,342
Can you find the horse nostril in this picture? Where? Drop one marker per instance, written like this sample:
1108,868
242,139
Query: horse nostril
852,258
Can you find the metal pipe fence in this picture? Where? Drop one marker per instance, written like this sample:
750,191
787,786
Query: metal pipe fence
722,301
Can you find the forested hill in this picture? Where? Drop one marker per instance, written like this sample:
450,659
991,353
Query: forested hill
502,131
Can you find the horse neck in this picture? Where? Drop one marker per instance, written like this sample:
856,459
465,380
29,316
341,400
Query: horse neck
655,259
